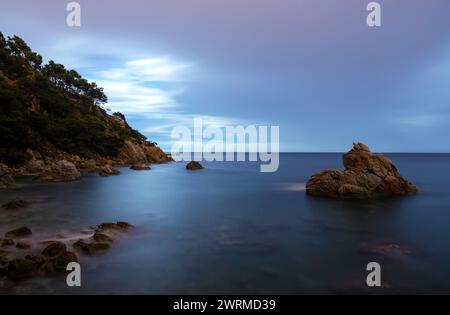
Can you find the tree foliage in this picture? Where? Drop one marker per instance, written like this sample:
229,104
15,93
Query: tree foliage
47,107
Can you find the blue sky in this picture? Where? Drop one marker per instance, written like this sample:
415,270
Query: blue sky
312,67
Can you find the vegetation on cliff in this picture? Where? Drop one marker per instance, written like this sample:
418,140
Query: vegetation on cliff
50,110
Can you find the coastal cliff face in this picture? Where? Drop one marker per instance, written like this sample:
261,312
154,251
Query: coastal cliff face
366,175
52,121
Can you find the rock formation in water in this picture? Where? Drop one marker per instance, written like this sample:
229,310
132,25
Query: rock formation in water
51,116
194,165
366,175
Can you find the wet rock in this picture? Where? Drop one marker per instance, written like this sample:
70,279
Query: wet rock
55,248
22,268
122,226
19,233
23,245
103,238
91,248
6,242
140,167
16,204
193,165
6,180
62,171
366,175
108,170
58,263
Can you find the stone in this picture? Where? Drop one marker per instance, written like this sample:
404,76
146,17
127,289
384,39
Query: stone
366,175
16,204
62,171
6,180
108,170
193,165
55,248
19,233
22,268
140,167
23,245
103,238
6,242
91,248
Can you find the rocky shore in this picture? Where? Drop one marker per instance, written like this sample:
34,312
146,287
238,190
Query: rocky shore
63,167
366,175
21,257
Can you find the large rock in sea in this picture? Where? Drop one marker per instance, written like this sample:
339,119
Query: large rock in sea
194,165
62,171
6,180
366,175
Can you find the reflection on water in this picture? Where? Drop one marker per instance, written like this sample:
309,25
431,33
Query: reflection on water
231,229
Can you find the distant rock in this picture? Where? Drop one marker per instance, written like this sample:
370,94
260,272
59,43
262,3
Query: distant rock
193,165
6,180
140,167
366,175
19,233
16,204
91,248
61,171
108,170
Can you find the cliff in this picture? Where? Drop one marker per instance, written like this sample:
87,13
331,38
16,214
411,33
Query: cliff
49,113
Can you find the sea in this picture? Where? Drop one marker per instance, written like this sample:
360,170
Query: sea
230,229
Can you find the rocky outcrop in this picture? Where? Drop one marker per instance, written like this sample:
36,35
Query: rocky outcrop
366,175
140,167
62,171
6,180
193,165
102,238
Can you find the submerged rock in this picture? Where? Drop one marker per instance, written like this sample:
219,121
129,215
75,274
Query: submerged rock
19,233
140,167
16,204
194,165
6,180
366,175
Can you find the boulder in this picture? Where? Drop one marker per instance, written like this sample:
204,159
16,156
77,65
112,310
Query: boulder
89,165
35,166
6,242
121,226
108,170
101,237
140,167
22,268
6,180
16,204
55,248
193,165
366,175
19,233
62,171
23,245
91,248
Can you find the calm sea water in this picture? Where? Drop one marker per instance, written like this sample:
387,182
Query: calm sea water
231,229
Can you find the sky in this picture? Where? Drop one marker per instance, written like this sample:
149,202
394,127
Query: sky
312,67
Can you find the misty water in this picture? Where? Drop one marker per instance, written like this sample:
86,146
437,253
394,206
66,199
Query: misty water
231,229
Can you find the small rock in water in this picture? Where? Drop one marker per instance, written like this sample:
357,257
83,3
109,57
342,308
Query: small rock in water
19,233
54,248
91,248
108,170
16,204
100,237
194,165
140,167
23,245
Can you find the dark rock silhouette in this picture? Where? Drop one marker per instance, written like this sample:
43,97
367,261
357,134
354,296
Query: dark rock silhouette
193,165
366,175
